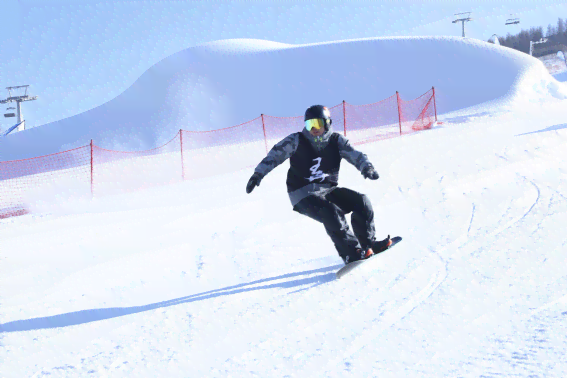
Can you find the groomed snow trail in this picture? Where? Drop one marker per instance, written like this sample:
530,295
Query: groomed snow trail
201,279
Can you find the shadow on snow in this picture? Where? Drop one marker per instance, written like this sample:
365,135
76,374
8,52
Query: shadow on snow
93,315
550,128
464,118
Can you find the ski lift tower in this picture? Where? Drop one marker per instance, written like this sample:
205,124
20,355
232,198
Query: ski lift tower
463,19
18,100
532,43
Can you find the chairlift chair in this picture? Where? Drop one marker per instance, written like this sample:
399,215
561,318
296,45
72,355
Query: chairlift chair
512,20
8,115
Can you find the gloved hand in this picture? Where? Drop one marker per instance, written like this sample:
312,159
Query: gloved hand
369,172
253,182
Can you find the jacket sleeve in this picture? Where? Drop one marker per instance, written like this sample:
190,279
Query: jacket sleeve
356,158
278,154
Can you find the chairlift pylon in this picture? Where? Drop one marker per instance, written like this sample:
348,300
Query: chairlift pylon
18,100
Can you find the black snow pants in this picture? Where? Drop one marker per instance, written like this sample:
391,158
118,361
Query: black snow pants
331,209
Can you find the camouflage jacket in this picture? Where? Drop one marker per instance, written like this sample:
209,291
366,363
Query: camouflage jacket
287,147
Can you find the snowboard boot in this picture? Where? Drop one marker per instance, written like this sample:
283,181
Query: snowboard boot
381,246
359,254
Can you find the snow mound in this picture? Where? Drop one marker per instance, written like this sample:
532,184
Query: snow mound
225,83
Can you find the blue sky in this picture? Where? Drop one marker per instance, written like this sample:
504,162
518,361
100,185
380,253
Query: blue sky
77,55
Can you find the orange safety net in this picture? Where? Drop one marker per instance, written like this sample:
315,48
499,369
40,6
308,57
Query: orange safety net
418,114
92,170
120,171
28,182
208,153
372,122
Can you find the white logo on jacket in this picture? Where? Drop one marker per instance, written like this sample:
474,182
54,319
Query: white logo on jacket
316,174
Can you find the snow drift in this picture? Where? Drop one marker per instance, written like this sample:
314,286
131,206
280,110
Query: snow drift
225,83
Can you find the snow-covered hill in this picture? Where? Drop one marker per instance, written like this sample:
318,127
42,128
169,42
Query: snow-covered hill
225,83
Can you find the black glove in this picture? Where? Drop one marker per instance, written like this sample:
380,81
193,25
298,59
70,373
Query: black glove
369,172
253,182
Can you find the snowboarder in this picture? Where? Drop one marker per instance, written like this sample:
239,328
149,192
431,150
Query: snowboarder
315,155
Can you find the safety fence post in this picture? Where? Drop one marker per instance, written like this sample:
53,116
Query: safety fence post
344,115
399,111
92,182
434,103
182,163
264,128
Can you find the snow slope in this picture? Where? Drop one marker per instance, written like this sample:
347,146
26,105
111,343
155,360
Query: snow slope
200,279
226,83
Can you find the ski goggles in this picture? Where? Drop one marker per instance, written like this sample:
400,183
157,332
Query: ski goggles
315,123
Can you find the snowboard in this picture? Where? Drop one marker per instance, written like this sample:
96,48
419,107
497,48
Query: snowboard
349,267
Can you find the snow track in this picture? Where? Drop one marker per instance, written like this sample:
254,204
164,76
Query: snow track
201,279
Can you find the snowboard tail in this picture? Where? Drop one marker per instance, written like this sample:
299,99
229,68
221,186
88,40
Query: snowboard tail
350,266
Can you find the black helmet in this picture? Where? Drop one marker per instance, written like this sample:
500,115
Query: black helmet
319,111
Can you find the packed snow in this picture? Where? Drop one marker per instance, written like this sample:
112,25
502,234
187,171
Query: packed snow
200,279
